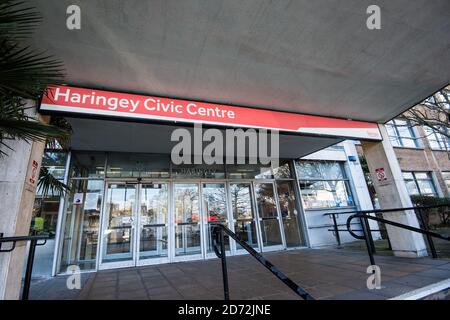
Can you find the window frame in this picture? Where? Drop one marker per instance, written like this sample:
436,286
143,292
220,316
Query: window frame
415,180
345,179
397,139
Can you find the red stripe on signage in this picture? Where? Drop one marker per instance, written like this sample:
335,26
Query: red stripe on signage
98,101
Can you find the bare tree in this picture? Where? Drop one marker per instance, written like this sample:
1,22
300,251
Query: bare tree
433,112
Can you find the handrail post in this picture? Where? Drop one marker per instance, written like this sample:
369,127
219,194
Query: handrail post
369,235
226,292
336,229
29,270
429,238
1,236
366,239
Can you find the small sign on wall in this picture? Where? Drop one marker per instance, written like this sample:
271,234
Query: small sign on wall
381,174
34,172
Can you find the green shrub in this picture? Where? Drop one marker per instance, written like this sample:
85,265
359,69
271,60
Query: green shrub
424,201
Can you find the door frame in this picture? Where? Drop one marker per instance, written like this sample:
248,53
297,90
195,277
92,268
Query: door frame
198,256
117,264
235,250
281,246
156,260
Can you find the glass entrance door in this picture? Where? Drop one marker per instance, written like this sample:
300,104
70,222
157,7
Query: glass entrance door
118,232
187,229
153,223
268,216
214,211
244,217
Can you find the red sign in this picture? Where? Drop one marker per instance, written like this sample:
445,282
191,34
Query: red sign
34,173
381,174
107,103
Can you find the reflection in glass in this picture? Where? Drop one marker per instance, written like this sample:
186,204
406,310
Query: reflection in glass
119,216
243,215
214,209
88,164
187,218
289,215
137,165
267,209
325,194
153,220
81,225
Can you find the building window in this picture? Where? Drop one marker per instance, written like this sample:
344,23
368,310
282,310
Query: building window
437,141
46,204
402,134
419,183
323,184
446,177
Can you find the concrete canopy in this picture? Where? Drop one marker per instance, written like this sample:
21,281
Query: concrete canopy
315,57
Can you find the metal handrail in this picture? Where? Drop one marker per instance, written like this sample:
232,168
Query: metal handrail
217,235
364,216
33,244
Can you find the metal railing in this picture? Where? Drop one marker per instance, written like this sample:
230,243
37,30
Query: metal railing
335,227
364,217
217,235
29,269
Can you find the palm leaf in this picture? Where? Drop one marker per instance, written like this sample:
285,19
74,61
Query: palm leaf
17,21
49,185
26,73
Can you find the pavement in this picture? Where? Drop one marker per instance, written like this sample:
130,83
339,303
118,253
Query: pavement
324,273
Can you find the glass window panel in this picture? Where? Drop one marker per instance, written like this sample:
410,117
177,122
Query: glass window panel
320,170
426,187
214,171
187,239
249,171
325,194
81,225
88,164
412,187
55,162
446,175
241,201
124,165
409,143
289,214
119,215
266,201
408,175
186,202
421,175
153,220
283,171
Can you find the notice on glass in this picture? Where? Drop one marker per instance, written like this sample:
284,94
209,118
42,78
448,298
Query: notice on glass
78,198
91,201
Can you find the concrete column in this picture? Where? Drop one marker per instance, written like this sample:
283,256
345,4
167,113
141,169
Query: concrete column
19,172
392,193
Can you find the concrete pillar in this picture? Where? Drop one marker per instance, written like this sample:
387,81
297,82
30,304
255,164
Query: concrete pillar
392,193
19,172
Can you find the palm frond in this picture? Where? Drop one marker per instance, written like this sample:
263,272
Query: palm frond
25,72
16,124
16,20
48,184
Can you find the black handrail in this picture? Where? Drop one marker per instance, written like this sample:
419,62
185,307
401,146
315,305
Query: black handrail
217,235
364,216
33,243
